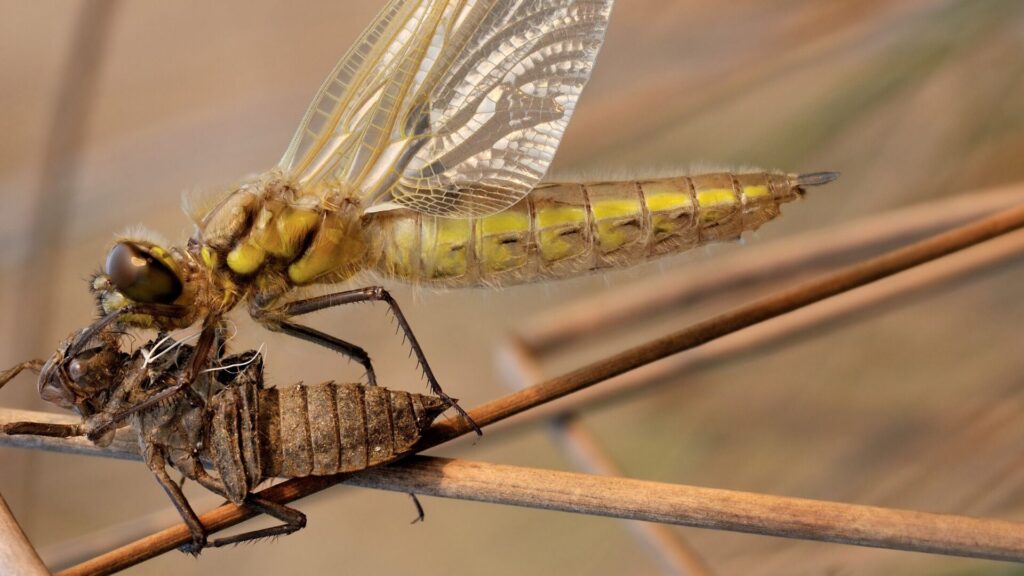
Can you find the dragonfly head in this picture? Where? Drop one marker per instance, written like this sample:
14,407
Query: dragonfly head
82,371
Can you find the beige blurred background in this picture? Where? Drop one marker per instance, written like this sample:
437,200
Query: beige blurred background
913,101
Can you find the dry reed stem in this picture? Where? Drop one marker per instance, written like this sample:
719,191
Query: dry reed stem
631,499
608,311
671,550
58,171
55,186
81,547
125,445
669,547
763,337
807,293
17,556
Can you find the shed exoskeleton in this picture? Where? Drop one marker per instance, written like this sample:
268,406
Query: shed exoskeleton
229,431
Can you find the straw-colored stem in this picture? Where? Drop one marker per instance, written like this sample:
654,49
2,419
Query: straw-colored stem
632,499
667,545
765,337
672,552
17,556
670,549
124,446
958,266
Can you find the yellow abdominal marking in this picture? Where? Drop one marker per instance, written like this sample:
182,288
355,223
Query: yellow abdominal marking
556,225
504,223
444,247
605,209
756,191
502,240
668,201
716,203
716,197
550,217
617,222
670,211
403,258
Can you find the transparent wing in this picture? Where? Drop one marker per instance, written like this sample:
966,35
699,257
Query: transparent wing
451,108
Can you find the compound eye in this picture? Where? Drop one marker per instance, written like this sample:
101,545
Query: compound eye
140,276
51,387
93,370
77,369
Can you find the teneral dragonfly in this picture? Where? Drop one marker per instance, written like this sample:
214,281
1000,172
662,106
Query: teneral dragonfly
421,159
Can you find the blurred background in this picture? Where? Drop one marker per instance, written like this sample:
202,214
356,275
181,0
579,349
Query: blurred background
111,111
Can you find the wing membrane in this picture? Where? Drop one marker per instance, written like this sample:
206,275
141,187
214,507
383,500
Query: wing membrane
451,108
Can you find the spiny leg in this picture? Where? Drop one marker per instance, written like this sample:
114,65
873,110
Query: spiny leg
200,359
292,519
379,294
218,349
338,345
158,465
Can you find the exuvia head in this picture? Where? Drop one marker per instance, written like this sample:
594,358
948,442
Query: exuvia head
82,371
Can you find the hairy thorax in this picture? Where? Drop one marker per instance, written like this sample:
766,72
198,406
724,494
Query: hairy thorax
266,238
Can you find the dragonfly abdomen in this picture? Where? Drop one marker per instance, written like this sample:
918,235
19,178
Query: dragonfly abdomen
565,229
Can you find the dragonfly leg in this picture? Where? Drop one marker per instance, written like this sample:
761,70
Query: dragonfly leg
338,345
32,365
379,294
420,514
157,463
292,519
42,429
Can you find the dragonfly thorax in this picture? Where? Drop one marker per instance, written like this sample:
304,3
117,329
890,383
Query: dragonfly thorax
271,235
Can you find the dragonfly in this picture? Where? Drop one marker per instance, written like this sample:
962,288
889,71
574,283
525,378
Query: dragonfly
422,159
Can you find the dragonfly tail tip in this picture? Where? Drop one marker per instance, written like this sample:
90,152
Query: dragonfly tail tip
814,179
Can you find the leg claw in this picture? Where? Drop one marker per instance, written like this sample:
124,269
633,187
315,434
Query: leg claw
195,546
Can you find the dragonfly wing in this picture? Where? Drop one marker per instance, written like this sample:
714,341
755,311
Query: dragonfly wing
330,123
451,108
